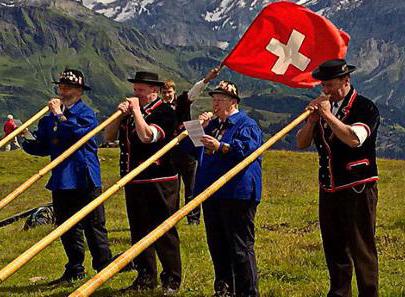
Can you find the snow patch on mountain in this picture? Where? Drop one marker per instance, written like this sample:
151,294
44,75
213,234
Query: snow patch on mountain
307,2
338,6
224,8
120,11
91,3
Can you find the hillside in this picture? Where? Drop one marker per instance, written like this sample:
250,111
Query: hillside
288,246
377,46
38,40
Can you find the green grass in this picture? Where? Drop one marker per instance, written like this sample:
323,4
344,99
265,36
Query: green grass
288,246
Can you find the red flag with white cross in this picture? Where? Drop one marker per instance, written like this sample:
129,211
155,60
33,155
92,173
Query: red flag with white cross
285,43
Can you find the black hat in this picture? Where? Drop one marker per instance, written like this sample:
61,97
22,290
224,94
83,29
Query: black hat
147,78
227,88
332,69
72,77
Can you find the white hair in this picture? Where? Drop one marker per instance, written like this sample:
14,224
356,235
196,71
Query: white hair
10,117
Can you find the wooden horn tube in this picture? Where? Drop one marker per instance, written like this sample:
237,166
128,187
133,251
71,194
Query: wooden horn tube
118,264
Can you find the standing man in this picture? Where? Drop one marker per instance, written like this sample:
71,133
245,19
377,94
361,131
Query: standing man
229,214
146,126
9,127
75,182
184,162
344,128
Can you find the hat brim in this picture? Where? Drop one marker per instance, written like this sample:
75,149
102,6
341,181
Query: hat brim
146,81
319,75
223,92
86,88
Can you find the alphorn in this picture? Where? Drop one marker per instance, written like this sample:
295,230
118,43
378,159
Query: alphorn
123,260
25,257
20,129
18,191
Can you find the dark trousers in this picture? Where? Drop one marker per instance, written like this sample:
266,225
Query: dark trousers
347,221
66,203
230,234
148,205
186,166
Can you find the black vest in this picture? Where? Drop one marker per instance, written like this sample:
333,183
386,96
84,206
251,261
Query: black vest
182,107
134,151
340,166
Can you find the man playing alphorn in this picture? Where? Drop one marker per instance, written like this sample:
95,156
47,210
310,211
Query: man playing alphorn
76,181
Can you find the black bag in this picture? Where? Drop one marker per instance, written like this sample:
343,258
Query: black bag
41,216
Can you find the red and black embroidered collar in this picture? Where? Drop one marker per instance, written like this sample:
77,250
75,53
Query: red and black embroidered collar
148,108
347,104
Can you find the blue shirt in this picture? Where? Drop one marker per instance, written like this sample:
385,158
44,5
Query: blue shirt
243,136
82,169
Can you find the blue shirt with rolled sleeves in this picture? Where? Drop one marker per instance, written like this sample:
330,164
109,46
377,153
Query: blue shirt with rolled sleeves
241,137
82,169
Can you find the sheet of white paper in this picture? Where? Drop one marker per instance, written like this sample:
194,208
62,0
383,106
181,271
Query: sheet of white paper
195,131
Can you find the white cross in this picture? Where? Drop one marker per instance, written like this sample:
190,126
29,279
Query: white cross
288,54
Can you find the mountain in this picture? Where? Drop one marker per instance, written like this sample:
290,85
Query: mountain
39,38
377,45
111,39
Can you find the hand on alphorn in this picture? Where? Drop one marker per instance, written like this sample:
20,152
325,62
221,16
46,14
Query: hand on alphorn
55,106
205,118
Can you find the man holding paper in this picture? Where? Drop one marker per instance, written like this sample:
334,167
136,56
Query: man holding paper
229,213
185,163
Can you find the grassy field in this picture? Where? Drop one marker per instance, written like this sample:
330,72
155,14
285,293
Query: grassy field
288,246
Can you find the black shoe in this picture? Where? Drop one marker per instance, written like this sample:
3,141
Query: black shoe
69,278
169,291
143,283
223,294
170,286
222,289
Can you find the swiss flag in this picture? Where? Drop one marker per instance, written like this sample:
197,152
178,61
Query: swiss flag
285,43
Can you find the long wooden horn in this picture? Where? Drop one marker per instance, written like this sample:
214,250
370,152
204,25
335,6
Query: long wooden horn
113,268
18,191
20,129
25,257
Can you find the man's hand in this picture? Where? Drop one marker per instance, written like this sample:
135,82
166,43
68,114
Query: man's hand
314,116
26,133
133,104
212,74
124,107
321,106
210,142
55,106
324,105
205,118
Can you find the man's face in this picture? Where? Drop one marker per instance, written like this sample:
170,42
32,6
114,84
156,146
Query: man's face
145,92
222,105
336,88
68,92
168,94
